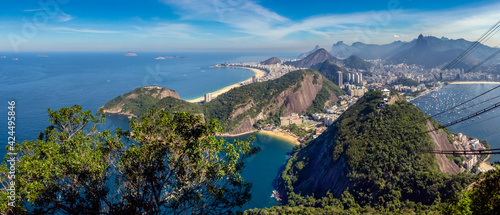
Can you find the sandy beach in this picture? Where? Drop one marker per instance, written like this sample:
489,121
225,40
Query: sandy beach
474,82
236,135
281,135
258,73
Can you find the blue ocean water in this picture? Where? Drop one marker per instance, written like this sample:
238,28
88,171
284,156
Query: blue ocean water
485,126
92,79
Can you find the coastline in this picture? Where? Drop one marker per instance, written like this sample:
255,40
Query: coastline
236,135
281,135
258,73
474,82
129,115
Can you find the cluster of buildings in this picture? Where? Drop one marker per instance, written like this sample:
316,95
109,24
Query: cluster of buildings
291,119
469,145
355,78
274,71
326,118
355,91
408,89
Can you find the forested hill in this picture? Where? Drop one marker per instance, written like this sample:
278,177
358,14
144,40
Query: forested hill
138,101
303,92
372,156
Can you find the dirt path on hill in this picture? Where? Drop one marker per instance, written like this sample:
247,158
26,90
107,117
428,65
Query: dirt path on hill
441,143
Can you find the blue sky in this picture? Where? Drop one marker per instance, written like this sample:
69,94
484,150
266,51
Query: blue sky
234,25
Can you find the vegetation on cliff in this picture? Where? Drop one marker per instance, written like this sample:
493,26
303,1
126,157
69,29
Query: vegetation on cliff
372,157
138,101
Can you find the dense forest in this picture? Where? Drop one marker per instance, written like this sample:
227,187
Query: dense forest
371,158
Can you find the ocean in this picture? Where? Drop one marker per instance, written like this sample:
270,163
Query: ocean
485,126
92,79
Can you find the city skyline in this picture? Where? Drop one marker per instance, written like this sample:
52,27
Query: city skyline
234,25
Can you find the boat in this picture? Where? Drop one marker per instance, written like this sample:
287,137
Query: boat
15,59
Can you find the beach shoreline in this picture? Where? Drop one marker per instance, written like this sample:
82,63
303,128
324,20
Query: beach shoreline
281,135
236,135
258,73
474,82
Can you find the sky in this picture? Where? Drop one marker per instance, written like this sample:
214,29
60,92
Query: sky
234,25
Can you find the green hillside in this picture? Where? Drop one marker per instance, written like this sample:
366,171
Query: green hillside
372,157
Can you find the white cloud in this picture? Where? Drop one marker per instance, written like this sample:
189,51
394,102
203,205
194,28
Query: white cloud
84,30
60,16
248,17
64,17
175,30
33,10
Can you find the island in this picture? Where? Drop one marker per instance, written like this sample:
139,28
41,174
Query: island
130,54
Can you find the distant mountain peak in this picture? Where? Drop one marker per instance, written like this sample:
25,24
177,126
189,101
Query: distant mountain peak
270,61
316,57
303,55
420,37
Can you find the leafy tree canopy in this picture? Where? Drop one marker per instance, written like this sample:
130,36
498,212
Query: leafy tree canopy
167,164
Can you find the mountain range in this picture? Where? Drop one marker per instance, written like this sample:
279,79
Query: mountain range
426,51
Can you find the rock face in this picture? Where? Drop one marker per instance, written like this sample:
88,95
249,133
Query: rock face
295,99
239,109
441,142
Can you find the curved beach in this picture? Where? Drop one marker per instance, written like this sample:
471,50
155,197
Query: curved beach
281,135
258,73
474,82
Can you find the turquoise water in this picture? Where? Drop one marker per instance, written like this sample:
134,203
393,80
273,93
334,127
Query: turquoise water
262,168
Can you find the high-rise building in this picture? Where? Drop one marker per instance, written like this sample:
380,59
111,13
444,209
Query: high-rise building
254,79
208,97
339,77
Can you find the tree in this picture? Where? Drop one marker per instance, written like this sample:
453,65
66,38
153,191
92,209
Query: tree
170,163
483,197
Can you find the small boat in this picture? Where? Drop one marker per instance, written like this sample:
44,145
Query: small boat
15,59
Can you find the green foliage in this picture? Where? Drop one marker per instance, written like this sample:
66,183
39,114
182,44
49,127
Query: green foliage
171,105
318,105
329,70
296,130
482,198
357,63
172,163
381,150
140,100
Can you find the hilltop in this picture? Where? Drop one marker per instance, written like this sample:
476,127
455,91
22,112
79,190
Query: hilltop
138,101
314,58
373,155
